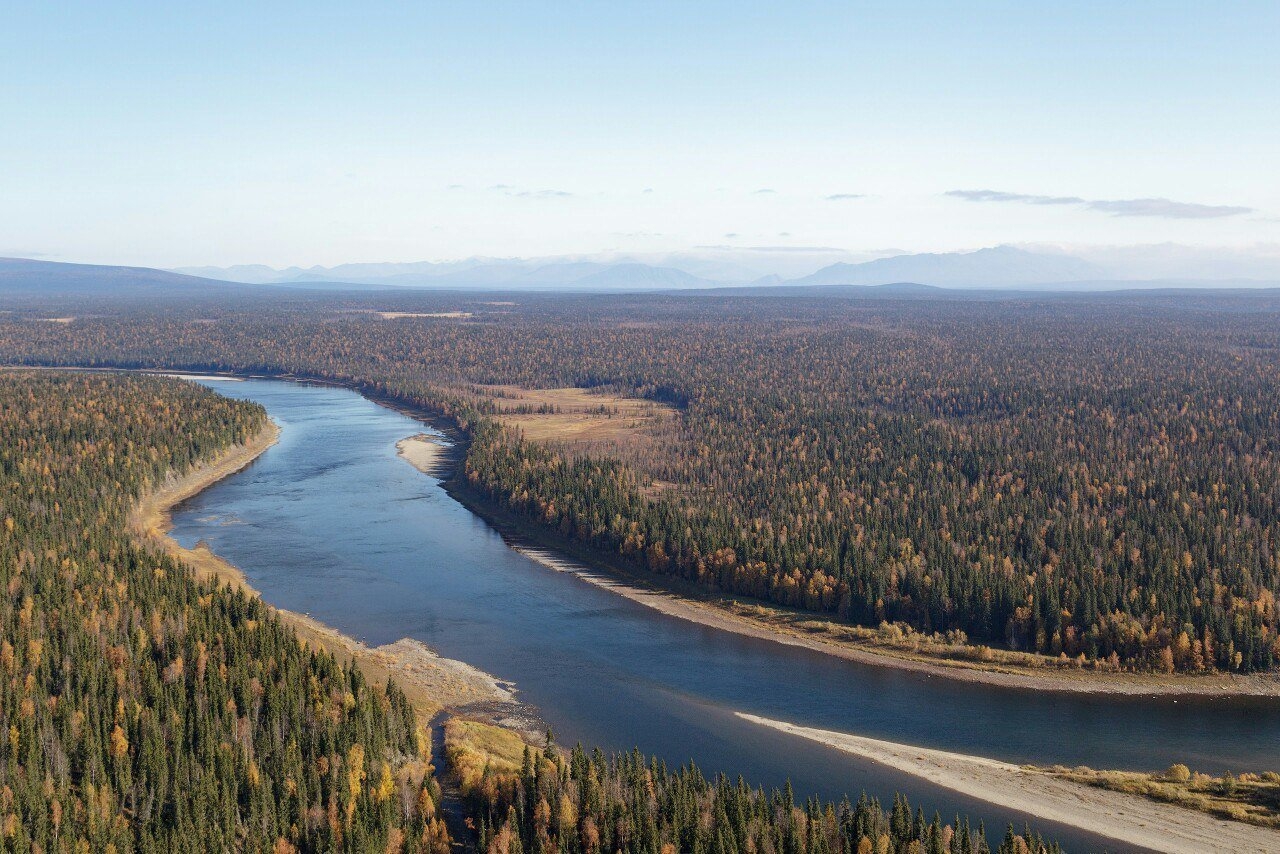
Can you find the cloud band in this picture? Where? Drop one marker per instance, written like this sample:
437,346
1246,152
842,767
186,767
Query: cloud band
1115,207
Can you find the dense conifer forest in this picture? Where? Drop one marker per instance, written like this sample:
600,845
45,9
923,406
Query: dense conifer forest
589,803
1094,479
142,710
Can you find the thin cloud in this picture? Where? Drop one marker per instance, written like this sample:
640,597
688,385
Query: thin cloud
792,248
843,197
1166,208
765,191
543,194
724,246
997,196
516,192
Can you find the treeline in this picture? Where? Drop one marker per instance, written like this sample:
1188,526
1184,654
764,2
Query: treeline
1061,477
143,711
584,804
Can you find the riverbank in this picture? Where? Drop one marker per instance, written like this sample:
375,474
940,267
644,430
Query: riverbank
433,684
424,452
788,627
1126,818
677,598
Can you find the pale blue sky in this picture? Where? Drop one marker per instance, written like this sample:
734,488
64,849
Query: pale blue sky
322,133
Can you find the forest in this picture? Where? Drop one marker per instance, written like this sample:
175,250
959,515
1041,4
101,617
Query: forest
585,803
1092,479
142,710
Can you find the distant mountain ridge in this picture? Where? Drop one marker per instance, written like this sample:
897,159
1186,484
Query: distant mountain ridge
998,267
714,266
34,277
708,264
476,273
1001,268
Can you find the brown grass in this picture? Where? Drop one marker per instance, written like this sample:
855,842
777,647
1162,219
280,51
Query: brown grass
596,423
1250,798
472,746
573,414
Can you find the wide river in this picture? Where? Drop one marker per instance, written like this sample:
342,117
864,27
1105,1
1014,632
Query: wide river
332,523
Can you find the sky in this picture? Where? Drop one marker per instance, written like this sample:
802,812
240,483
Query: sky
319,133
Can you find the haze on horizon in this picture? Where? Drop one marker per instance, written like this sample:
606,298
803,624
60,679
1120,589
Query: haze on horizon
316,134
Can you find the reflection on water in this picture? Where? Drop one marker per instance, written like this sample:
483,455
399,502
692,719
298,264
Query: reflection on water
330,522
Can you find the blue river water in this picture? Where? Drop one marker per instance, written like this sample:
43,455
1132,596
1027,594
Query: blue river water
331,523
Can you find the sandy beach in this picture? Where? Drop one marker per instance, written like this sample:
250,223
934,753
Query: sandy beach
1128,819
222,378
424,452
431,682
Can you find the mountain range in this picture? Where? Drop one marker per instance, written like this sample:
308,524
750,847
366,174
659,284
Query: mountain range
995,268
999,267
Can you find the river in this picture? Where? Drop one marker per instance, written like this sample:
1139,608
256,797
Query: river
331,523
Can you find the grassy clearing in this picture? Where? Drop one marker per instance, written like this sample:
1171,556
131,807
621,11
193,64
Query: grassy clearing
594,423
473,748
1250,798
572,414
396,315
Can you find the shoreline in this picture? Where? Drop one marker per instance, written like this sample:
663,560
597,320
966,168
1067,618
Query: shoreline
426,453
1126,818
432,683
714,612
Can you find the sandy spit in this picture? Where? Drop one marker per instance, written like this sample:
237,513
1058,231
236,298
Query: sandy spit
431,682
711,613
1129,819
224,378
424,452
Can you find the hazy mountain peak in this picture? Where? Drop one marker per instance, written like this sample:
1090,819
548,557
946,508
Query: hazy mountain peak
998,266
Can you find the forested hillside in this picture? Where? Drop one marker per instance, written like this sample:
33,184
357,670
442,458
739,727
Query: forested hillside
1096,481
141,710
